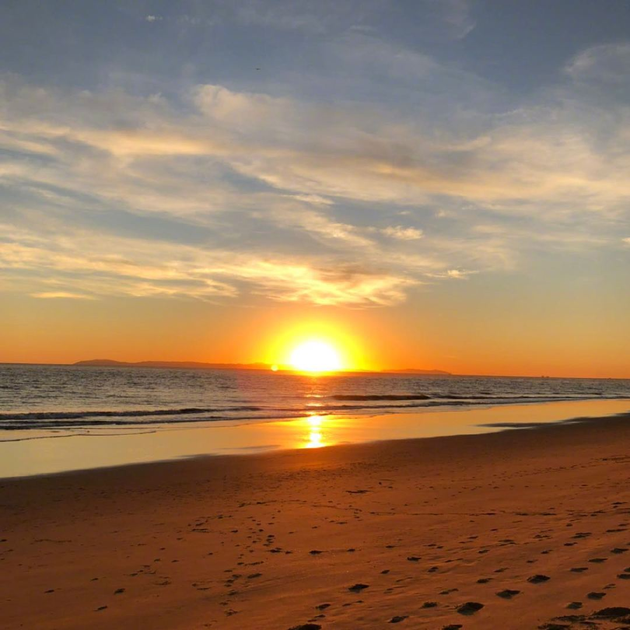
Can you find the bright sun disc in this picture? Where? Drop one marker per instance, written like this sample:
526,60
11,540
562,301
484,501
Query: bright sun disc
315,356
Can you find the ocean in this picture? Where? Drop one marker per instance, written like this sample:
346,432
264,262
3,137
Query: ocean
67,398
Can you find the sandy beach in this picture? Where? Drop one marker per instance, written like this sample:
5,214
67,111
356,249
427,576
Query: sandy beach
518,529
314,315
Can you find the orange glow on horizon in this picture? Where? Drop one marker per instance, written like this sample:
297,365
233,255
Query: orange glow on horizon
432,334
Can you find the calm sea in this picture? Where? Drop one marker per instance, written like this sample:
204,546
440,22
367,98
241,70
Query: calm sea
49,398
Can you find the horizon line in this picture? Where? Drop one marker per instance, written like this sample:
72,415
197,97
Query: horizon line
267,367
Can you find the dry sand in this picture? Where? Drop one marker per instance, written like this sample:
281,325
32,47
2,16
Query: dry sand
520,529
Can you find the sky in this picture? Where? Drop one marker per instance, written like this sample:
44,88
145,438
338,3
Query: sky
428,183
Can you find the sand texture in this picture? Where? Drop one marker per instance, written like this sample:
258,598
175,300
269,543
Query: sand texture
521,529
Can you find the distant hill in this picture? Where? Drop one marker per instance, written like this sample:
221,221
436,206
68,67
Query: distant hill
173,364
231,366
415,371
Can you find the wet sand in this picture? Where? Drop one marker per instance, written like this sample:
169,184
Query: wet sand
518,529
35,452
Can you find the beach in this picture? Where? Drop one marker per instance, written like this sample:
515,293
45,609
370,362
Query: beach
512,529
314,315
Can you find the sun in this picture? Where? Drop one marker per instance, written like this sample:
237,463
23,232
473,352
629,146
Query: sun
315,356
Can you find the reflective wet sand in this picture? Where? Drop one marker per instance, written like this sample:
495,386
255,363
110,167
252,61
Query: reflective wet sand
27,454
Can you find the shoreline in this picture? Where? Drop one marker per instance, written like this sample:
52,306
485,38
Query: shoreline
385,443
275,540
30,454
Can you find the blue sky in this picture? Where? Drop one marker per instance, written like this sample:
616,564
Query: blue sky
337,154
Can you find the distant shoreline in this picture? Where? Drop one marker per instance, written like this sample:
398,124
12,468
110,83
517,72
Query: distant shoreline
267,367
236,366
199,365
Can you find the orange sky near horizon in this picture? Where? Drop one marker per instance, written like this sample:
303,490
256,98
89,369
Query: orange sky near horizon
435,331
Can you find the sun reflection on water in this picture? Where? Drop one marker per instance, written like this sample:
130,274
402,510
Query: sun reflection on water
315,437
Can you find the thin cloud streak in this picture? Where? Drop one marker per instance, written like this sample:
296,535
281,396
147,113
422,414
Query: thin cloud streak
308,194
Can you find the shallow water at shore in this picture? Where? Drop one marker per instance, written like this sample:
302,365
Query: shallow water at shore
35,453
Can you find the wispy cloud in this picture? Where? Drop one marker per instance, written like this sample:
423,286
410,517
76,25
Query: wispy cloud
457,16
79,262
403,233
605,63
223,192
62,295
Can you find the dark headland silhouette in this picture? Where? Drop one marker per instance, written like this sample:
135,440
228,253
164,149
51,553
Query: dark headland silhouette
173,364
229,366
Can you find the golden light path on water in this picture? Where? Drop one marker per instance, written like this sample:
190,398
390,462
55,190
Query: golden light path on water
315,436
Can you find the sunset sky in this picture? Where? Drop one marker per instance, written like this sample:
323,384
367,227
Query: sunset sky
432,183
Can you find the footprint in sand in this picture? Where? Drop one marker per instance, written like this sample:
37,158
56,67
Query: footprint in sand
398,618
429,605
357,588
574,605
596,595
538,579
469,608
507,593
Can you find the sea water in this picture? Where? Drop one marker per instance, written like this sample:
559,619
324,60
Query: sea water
65,398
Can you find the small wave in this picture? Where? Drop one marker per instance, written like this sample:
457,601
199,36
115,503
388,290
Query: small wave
516,397
453,396
132,413
353,404
381,397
